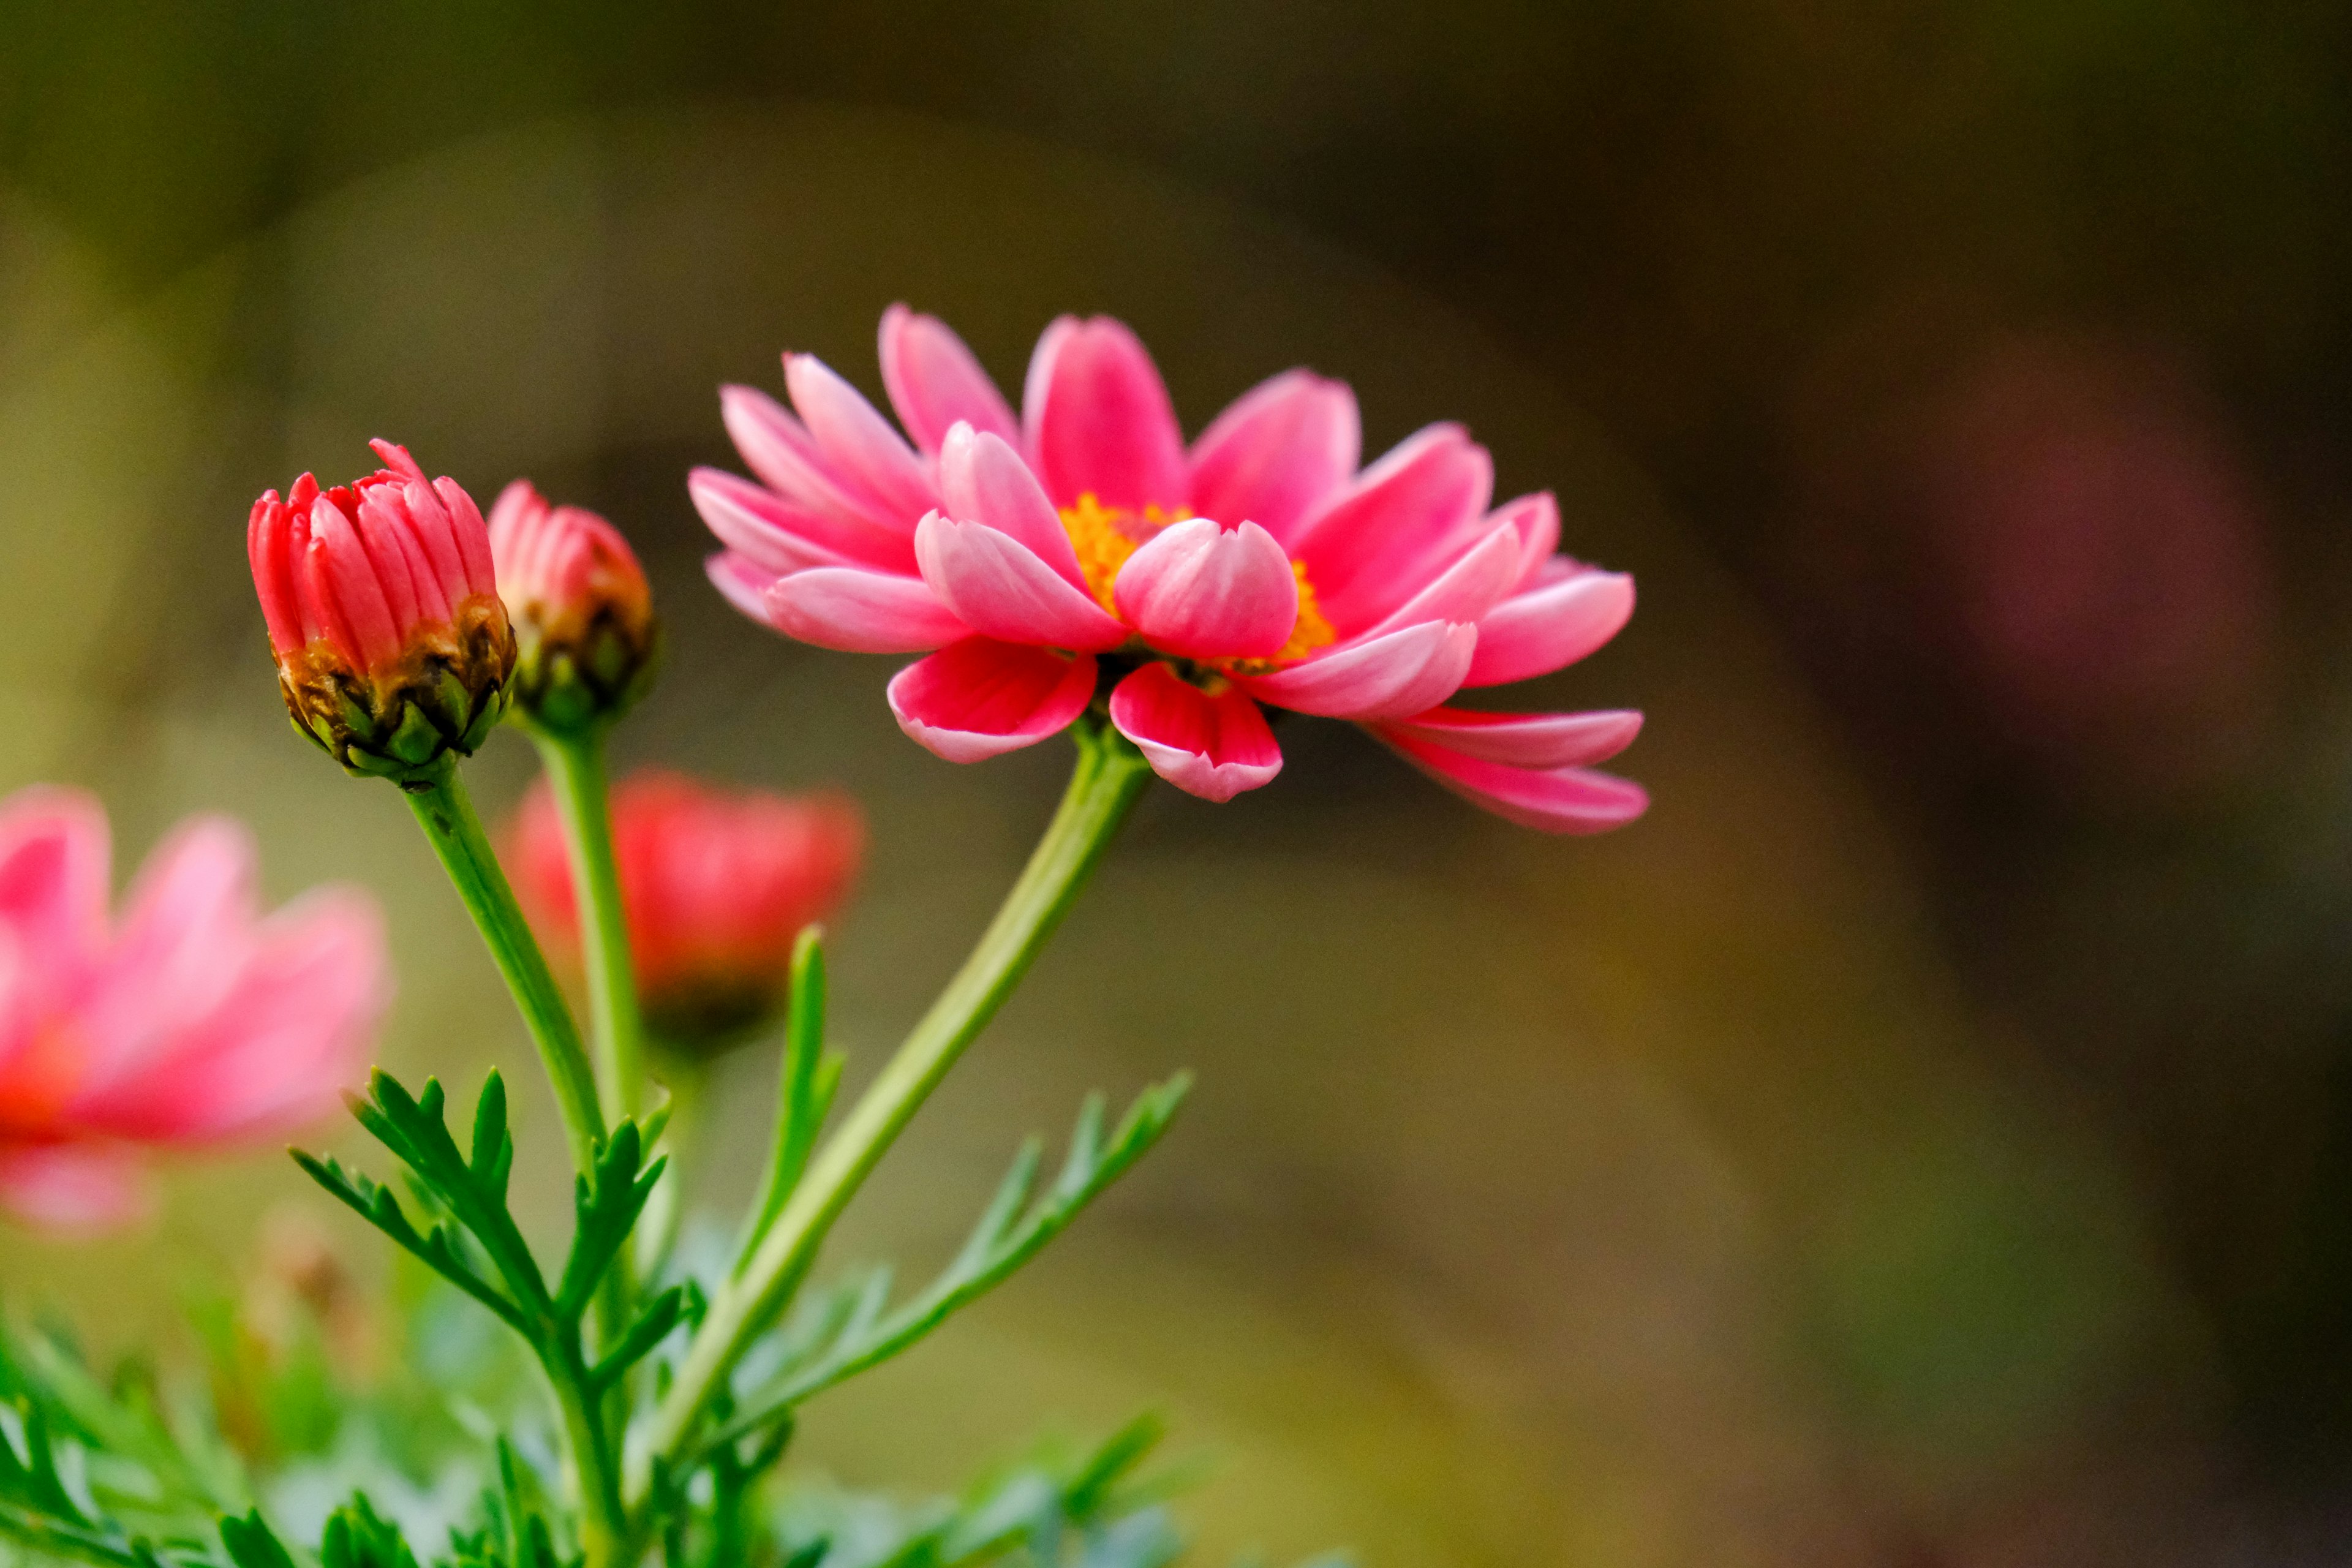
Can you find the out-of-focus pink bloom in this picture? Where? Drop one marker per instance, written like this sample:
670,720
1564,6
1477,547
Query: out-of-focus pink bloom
193,1020
716,884
583,612
383,614
1256,566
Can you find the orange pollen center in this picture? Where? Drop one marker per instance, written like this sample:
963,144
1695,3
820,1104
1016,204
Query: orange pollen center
1106,536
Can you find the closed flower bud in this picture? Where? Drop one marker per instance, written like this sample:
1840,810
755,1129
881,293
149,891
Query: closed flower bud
715,885
393,648
583,618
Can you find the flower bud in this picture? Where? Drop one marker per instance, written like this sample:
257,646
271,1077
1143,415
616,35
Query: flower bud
393,648
584,630
715,886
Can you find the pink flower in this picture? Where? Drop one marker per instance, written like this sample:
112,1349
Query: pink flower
715,884
583,612
192,1021
383,615
1257,568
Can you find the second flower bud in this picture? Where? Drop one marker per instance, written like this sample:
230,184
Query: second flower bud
586,638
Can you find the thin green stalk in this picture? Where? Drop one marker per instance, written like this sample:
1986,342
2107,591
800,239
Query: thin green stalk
446,815
1110,777
603,1522
575,772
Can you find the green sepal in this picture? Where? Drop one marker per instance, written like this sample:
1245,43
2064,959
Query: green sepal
416,740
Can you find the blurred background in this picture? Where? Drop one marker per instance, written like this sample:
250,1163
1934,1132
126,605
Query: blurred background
1927,1138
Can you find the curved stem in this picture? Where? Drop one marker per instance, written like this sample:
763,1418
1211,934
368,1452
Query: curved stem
1109,778
446,815
575,772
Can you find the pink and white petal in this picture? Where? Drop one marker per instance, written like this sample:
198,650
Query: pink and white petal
780,449
852,611
984,480
1402,522
1557,800
860,447
72,1187
980,697
55,859
1569,613
1200,591
1098,420
1536,519
741,580
1211,746
187,925
288,1037
1522,740
998,587
1466,590
781,533
1387,677
935,382
1282,448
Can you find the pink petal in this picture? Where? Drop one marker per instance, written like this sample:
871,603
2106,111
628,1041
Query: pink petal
54,864
1214,747
787,536
742,581
1374,545
858,444
1098,420
1572,611
979,698
935,382
395,457
1559,800
852,611
982,479
1387,677
1200,591
277,1046
998,588
779,448
1522,740
272,544
72,1187
1466,590
344,577
1536,519
1282,447
187,930
470,532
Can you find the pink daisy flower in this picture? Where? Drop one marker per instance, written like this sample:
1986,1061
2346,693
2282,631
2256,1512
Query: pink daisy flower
192,1021
1032,557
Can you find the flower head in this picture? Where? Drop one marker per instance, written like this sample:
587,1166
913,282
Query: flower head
715,884
584,616
1083,543
392,646
193,1020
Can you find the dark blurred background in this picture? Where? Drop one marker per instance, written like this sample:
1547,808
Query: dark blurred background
1927,1139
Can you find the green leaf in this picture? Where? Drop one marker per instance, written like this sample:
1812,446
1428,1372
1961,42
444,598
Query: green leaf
250,1543
660,1316
607,1203
805,1082
356,1537
1010,1232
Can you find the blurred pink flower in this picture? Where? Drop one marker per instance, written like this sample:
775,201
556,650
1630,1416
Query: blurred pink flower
383,614
192,1021
1256,566
716,884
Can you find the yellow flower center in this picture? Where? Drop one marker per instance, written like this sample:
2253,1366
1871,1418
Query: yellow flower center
1106,536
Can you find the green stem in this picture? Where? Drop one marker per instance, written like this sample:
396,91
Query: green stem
575,770
603,1523
446,815
1110,777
